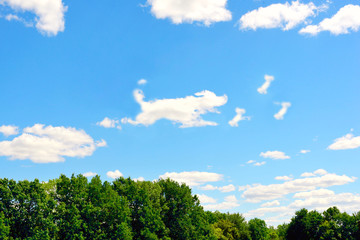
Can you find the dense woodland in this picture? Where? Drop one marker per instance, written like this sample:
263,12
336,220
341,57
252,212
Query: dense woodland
75,208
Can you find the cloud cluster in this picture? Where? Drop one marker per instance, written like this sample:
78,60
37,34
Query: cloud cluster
194,178
189,11
346,19
284,108
349,141
8,130
263,89
274,155
229,203
285,16
49,13
238,117
187,111
260,192
45,144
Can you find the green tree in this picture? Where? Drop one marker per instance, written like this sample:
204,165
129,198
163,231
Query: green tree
258,229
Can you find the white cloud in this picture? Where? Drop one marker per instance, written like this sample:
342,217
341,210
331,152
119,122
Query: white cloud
315,193
251,161
274,155
238,117
260,192
305,151
142,82
205,199
227,188
346,142
189,11
194,178
139,179
258,164
284,108
49,13
346,19
114,174
319,200
263,89
89,174
284,178
186,111
208,187
42,144
109,123
271,204
9,130
229,203
318,172
285,16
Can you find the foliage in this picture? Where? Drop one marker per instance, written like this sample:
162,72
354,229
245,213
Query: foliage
75,208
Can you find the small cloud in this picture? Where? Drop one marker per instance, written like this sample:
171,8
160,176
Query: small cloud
319,172
266,85
205,199
271,204
238,117
9,130
139,179
285,16
89,174
189,11
258,164
305,151
251,161
230,202
284,108
274,155
142,82
193,178
101,143
283,178
349,141
114,174
109,123
345,20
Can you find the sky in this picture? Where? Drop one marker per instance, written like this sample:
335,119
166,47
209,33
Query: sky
254,104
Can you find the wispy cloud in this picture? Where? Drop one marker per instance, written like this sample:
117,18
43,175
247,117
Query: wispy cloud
263,89
284,108
238,117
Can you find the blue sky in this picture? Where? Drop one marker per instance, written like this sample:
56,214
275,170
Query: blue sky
71,100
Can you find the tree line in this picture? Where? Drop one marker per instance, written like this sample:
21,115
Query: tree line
76,208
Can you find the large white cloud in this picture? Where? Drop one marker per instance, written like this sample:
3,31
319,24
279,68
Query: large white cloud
260,192
274,155
44,144
284,108
263,89
285,16
238,117
49,13
9,130
194,178
346,19
230,202
349,141
188,11
187,111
